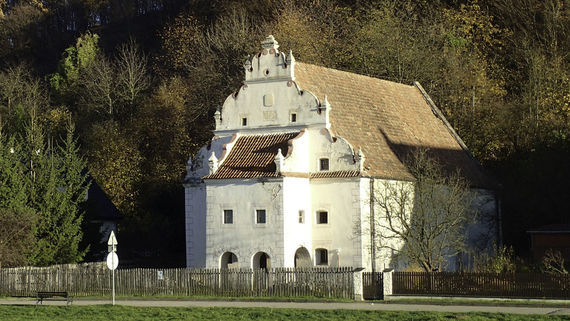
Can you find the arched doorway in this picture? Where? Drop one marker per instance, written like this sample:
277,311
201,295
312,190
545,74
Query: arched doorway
302,258
261,260
228,260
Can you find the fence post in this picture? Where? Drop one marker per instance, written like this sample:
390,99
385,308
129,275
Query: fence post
358,284
387,282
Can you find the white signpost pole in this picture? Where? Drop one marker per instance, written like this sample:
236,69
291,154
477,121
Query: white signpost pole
113,272
112,259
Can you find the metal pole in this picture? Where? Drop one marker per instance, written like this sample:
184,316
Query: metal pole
372,228
113,264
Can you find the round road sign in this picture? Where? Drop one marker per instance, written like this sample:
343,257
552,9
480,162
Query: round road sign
112,260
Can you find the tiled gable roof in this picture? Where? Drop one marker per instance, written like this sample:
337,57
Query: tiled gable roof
253,156
387,120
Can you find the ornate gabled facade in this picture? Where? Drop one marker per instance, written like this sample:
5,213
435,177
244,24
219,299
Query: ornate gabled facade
286,180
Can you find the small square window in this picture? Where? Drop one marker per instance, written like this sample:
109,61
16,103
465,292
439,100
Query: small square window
321,257
322,217
324,164
301,217
293,118
260,217
228,216
244,121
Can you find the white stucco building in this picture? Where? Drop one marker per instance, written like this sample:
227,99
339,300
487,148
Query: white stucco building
287,176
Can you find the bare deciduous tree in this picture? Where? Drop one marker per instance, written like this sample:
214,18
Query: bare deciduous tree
100,86
132,73
423,221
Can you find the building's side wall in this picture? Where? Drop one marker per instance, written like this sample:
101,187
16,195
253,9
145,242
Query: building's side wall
362,224
244,237
195,203
482,231
341,199
370,227
296,197
386,242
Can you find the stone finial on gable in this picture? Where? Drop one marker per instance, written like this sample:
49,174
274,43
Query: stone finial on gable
218,117
247,63
290,62
290,59
213,163
269,64
360,159
269,43
278,161
326,106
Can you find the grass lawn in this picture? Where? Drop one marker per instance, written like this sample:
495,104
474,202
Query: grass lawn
483,302
125,313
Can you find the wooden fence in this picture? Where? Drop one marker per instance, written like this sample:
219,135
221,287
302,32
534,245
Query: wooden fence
95,280
372,286
514,285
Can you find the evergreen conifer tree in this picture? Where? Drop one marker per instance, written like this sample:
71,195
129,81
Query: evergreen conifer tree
17,220
56,187
12,192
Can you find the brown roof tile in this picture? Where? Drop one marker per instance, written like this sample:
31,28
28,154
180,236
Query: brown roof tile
387,120
335,174
253,156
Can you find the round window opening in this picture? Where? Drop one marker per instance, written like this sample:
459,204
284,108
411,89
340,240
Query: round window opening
266,72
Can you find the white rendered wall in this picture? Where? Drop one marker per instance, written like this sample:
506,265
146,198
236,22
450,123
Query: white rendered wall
296,159
480,233
244,237
339,152
195,203
250,103
341,199
384,254
296,197
362,224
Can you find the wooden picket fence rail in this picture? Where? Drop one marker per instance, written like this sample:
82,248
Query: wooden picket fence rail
95,280
508,285
372,286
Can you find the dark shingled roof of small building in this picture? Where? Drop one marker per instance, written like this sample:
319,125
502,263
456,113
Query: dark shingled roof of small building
551,229
388,120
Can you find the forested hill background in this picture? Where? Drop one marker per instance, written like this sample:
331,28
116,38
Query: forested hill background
141,79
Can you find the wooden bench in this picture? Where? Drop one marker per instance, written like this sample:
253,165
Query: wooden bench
53,295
